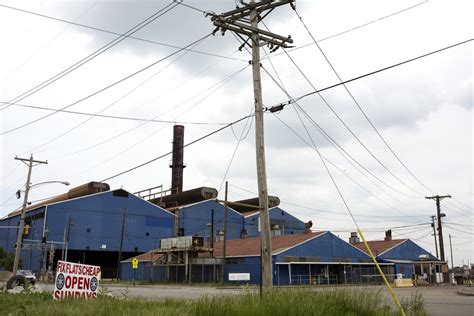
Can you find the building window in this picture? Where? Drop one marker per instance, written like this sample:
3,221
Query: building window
147,234
88,230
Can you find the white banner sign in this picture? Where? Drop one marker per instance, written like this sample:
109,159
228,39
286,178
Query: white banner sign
239,276
76,280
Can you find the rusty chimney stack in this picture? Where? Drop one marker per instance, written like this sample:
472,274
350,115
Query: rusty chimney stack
388,235
177,164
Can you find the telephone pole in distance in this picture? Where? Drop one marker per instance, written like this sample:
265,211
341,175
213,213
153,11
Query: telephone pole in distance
438,199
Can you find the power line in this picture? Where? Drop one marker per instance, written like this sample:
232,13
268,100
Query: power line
353,28
360,108
213,89
111,104
346,125
459,230
461,203
116,33
90,57
373,72
169,153
341,171
338,147
242,137
102,89
51,40
127,118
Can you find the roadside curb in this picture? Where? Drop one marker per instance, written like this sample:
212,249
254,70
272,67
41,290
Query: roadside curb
466,291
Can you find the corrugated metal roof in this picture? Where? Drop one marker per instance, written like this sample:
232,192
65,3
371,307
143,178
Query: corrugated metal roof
250,247
145,257
378,247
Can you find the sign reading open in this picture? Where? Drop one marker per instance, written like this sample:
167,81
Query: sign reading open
76,280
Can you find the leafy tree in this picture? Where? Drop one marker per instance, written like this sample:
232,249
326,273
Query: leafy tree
6,260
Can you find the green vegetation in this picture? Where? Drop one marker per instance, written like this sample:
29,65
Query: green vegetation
278,302
6,260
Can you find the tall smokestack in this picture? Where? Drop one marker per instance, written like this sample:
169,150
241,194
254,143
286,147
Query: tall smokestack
177,164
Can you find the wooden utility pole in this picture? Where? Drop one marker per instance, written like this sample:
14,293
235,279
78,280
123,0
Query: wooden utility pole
224,248
438,199
451,275
434,234
21,227
122,231
243,22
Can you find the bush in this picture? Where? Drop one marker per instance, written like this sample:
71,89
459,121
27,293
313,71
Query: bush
6,260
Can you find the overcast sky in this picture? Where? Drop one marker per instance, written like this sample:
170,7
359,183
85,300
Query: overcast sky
423,109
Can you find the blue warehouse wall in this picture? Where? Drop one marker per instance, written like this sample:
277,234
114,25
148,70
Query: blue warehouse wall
287,222
8,236
407,250
96,222
142,273
328,248
405,268
193,219
243,265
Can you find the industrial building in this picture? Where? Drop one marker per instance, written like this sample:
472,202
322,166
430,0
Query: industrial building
311,258
89,224
178,236
408,258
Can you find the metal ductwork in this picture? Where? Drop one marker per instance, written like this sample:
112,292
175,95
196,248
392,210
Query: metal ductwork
252,204
82,190
186,197
177,164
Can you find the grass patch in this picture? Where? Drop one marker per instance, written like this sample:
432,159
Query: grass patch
362,301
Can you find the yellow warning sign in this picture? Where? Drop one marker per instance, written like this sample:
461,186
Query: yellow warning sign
135,263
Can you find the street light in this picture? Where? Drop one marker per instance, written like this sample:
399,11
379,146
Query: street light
18,193
22,218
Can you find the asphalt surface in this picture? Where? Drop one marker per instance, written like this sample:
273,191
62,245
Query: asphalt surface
439,300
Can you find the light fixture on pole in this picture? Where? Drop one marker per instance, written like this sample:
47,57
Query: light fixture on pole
28,187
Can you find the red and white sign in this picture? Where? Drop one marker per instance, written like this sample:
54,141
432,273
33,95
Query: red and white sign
76,280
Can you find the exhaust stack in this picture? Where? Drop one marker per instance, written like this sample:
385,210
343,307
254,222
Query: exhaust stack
177,164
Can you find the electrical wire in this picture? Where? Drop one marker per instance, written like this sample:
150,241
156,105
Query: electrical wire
90,57
354,28
169,153
349,129
102,89
51,40
126,118
214,88
116,33
460,230
362,110
139,85
250,120
326,135
373,72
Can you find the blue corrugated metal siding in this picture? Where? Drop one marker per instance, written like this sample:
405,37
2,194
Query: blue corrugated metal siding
142,273
407,250
326,247
405,268
288,223
97,220
194,219
8,236
244,265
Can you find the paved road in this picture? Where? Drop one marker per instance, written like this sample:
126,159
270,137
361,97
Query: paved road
439,300
442,300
